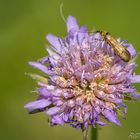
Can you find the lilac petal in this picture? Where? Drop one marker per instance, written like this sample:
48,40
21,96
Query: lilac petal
109,98
57,92
118,78
85,125
76,125
83,29
131,49
130,67
135,79
124,106
101,123
86,116
53,57
82,34
79,101
71,114
54,41
39,104
72,24
53,62
65,117
67,95
97,36
95,114
111,117
117,101
42,84
53,110
44,92
71,103
135,95
58,102
98,110
57,120
52,54
44,59
40,67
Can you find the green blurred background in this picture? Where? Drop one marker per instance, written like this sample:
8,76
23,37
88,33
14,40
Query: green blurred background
23,27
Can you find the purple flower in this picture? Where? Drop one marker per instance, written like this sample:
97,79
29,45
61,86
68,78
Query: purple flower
86,82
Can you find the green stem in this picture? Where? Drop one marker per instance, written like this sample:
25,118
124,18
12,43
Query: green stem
94,133
85,134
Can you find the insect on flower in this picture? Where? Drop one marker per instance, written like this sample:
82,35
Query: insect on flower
120,50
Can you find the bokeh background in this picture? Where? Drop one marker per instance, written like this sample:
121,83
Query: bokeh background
23,27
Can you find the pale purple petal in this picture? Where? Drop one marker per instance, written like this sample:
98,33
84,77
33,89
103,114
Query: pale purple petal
39,104
131,49
67,95
40,67
55,42
71,103
111,117
86,116
115,100
57,120
135,95
58,102
72,24
101,123
53,110
44,60
83,29
98,110
52,54
82,34
135,79
53,57
97,37
65,117
44,92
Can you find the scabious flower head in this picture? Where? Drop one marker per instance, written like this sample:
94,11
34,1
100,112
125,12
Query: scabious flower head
85,82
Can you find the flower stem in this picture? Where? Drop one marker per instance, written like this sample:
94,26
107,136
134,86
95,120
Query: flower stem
94,133
85,134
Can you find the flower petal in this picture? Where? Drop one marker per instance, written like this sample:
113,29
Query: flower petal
101,123
44,93
55,42
53,57
72,24
40,67
135,95
83,29
135,79
39,104
131,49
53,110
57,120
111,116
97,36
82,34
44,59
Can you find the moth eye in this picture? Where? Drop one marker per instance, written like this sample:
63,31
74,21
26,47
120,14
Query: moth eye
98,31
107,33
